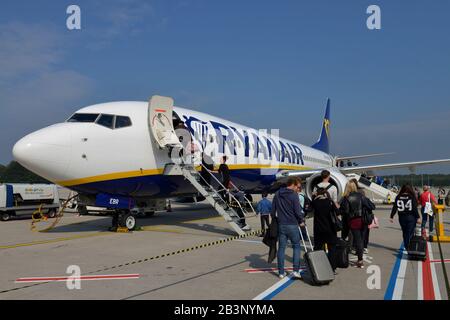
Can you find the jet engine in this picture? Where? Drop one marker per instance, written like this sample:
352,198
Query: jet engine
337,179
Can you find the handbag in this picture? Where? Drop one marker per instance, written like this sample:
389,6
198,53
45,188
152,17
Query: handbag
337,223
428,206
367,217
374,224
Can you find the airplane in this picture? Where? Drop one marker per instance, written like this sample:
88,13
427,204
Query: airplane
116,154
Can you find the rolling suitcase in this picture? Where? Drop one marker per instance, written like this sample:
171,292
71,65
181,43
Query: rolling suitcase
318,264
342,254
417,248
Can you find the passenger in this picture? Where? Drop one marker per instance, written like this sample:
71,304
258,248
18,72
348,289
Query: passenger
224,171
408,214
264,208
325,184
239,195
302,199
447,199
286,209
324,228
206,171
368,212
441,196
417,192
352,205
425,197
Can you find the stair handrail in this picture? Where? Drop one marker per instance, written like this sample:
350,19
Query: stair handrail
218,194
246,199
228,192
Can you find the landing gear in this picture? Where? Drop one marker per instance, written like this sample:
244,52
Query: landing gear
123,219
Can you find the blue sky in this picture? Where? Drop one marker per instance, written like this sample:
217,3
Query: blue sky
266,64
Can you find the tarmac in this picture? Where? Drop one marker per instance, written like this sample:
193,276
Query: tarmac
192,253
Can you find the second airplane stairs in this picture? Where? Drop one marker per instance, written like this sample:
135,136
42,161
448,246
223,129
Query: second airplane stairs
375,192
230,209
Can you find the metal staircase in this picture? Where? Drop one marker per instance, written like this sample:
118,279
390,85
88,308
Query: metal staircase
227,209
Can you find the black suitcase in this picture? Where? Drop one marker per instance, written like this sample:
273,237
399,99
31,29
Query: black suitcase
318,264
417,248
342,254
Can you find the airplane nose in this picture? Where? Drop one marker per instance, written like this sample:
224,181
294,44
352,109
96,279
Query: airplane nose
45,152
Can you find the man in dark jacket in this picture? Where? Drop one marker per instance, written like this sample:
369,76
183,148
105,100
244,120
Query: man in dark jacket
287,210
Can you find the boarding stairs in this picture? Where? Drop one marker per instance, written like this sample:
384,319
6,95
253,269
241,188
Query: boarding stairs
227,209
375,192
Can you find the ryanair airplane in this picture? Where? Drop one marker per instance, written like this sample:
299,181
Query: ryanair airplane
116,154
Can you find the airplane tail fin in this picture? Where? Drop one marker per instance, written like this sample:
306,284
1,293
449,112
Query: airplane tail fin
323,144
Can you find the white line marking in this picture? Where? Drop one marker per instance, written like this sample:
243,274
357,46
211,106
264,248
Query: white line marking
267,292
437,291
399,283
250,241
419,280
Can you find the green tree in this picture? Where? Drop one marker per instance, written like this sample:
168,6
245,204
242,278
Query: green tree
15,173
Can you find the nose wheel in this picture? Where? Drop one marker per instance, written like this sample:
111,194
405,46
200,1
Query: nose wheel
124,219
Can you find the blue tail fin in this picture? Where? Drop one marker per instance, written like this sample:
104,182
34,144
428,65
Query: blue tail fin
324,141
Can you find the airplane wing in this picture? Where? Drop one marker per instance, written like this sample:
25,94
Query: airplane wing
363,156
409,165
297,173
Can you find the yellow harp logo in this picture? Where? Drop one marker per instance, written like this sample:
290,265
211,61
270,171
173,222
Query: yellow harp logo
326,125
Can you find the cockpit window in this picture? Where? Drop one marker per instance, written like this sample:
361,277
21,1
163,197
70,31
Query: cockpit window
84,117
106,120
122,122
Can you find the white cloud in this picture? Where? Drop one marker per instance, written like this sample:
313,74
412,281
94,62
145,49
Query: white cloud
27,48
35,89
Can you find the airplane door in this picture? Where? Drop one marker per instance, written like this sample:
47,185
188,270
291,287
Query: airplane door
160,122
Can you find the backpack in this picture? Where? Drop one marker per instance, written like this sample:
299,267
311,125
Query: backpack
307,206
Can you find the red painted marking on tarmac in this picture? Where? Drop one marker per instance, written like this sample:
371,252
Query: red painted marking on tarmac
97,277
428,289
439,261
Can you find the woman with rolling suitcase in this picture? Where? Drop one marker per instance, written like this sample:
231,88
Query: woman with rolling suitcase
352,208
325,229
408,214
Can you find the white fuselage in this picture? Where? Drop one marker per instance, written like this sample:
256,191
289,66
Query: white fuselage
91,158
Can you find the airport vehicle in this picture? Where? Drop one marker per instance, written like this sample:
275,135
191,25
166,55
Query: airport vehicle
24,199
120,154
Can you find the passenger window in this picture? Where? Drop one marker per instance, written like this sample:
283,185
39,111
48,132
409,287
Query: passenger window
106,120
122,122
83,117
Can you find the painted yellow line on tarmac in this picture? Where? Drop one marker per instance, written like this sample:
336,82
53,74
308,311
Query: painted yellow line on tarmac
154,228
33,243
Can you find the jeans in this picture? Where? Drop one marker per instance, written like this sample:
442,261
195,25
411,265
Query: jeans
358,239
366,236
291,232
408,225
264,223
424,221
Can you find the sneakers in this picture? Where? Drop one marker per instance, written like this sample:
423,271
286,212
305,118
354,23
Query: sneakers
246,228
296,275
366,251
281,275
359,264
